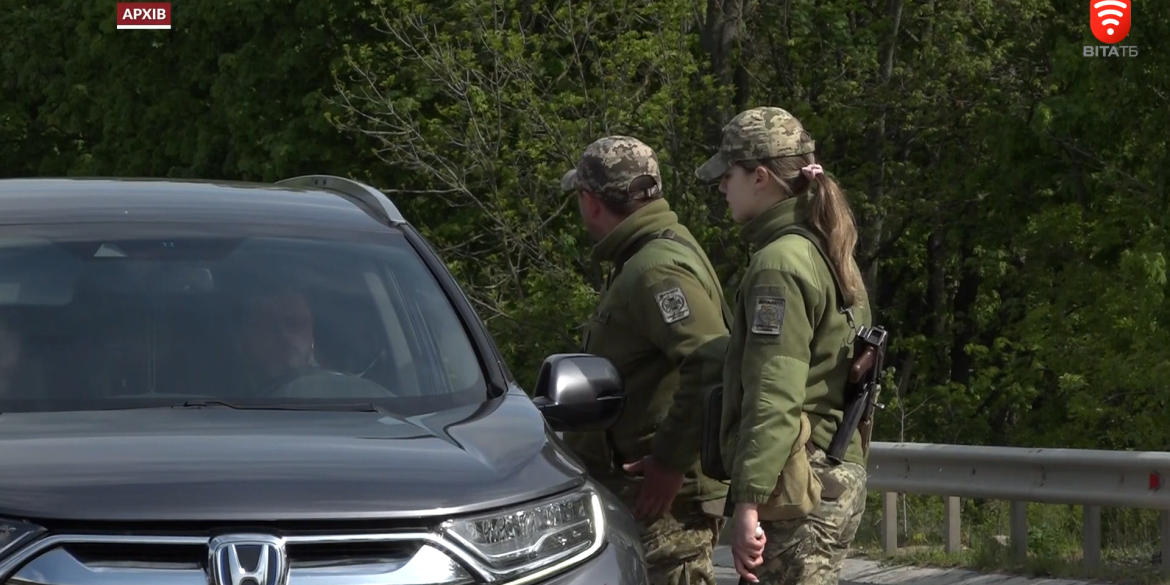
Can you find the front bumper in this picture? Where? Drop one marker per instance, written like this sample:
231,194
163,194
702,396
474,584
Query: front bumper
615,565
56,562
394,558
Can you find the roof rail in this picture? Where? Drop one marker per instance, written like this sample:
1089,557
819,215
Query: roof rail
372,197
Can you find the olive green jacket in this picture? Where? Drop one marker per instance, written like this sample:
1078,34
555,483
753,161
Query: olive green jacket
790,350
661,321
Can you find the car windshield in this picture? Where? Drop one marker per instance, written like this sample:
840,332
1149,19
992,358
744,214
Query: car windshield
99,316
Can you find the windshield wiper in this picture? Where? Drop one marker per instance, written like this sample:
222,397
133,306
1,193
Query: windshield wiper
354,407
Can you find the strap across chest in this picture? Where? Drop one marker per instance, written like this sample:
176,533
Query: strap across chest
816,242
670,234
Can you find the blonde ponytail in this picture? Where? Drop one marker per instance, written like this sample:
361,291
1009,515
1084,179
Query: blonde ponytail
829,214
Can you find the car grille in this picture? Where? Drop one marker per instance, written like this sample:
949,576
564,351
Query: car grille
400,558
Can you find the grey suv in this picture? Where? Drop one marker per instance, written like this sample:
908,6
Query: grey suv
254,384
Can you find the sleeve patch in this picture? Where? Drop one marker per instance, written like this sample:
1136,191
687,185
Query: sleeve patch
769,315
672,303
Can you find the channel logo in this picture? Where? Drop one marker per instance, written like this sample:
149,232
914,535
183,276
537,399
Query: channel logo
1109,19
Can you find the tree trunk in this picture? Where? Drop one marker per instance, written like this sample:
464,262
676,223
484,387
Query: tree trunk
872,233
965,297
722,35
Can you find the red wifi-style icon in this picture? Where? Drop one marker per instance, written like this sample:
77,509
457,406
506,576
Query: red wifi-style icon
1109,19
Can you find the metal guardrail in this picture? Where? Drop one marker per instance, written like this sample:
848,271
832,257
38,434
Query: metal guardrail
1091,478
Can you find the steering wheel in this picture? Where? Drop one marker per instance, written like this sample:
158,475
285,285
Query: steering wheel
318,382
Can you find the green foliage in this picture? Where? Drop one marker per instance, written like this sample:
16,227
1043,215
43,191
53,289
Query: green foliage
235,91
1009,190
484,106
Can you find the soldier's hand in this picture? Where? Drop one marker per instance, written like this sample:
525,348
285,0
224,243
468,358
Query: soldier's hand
659,487
747,542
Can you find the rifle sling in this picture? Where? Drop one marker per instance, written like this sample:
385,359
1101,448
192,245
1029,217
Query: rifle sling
816,242
866,426
669,234
620,263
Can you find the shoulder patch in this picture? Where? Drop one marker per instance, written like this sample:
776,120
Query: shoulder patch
672,303
768,318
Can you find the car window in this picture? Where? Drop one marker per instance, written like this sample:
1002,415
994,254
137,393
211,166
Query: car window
97,316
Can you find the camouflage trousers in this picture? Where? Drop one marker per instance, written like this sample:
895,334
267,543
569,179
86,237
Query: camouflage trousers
679,545
811,550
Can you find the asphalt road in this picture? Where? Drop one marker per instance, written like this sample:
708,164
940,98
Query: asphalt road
863,571
724,566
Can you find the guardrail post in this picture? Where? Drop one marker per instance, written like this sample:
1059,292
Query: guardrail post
953,526
1165,522
1091,543
1019,536
890,522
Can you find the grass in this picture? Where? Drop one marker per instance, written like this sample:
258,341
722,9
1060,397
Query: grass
1129,540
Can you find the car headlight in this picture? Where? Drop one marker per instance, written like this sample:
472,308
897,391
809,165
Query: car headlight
13,533
535,539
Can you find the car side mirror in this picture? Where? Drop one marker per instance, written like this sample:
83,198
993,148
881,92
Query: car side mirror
579,392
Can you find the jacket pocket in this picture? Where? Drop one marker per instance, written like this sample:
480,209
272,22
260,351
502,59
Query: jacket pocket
798,488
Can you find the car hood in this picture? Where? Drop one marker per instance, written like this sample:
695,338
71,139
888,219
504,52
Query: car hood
225,464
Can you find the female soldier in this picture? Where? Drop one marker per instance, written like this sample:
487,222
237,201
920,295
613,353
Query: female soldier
796,314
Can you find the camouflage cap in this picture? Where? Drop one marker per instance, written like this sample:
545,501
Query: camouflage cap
610,165
758,133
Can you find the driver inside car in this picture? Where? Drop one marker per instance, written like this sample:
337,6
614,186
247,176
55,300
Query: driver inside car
276,336
276,341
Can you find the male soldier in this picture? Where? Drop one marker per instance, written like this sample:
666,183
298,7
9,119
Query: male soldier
663,321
